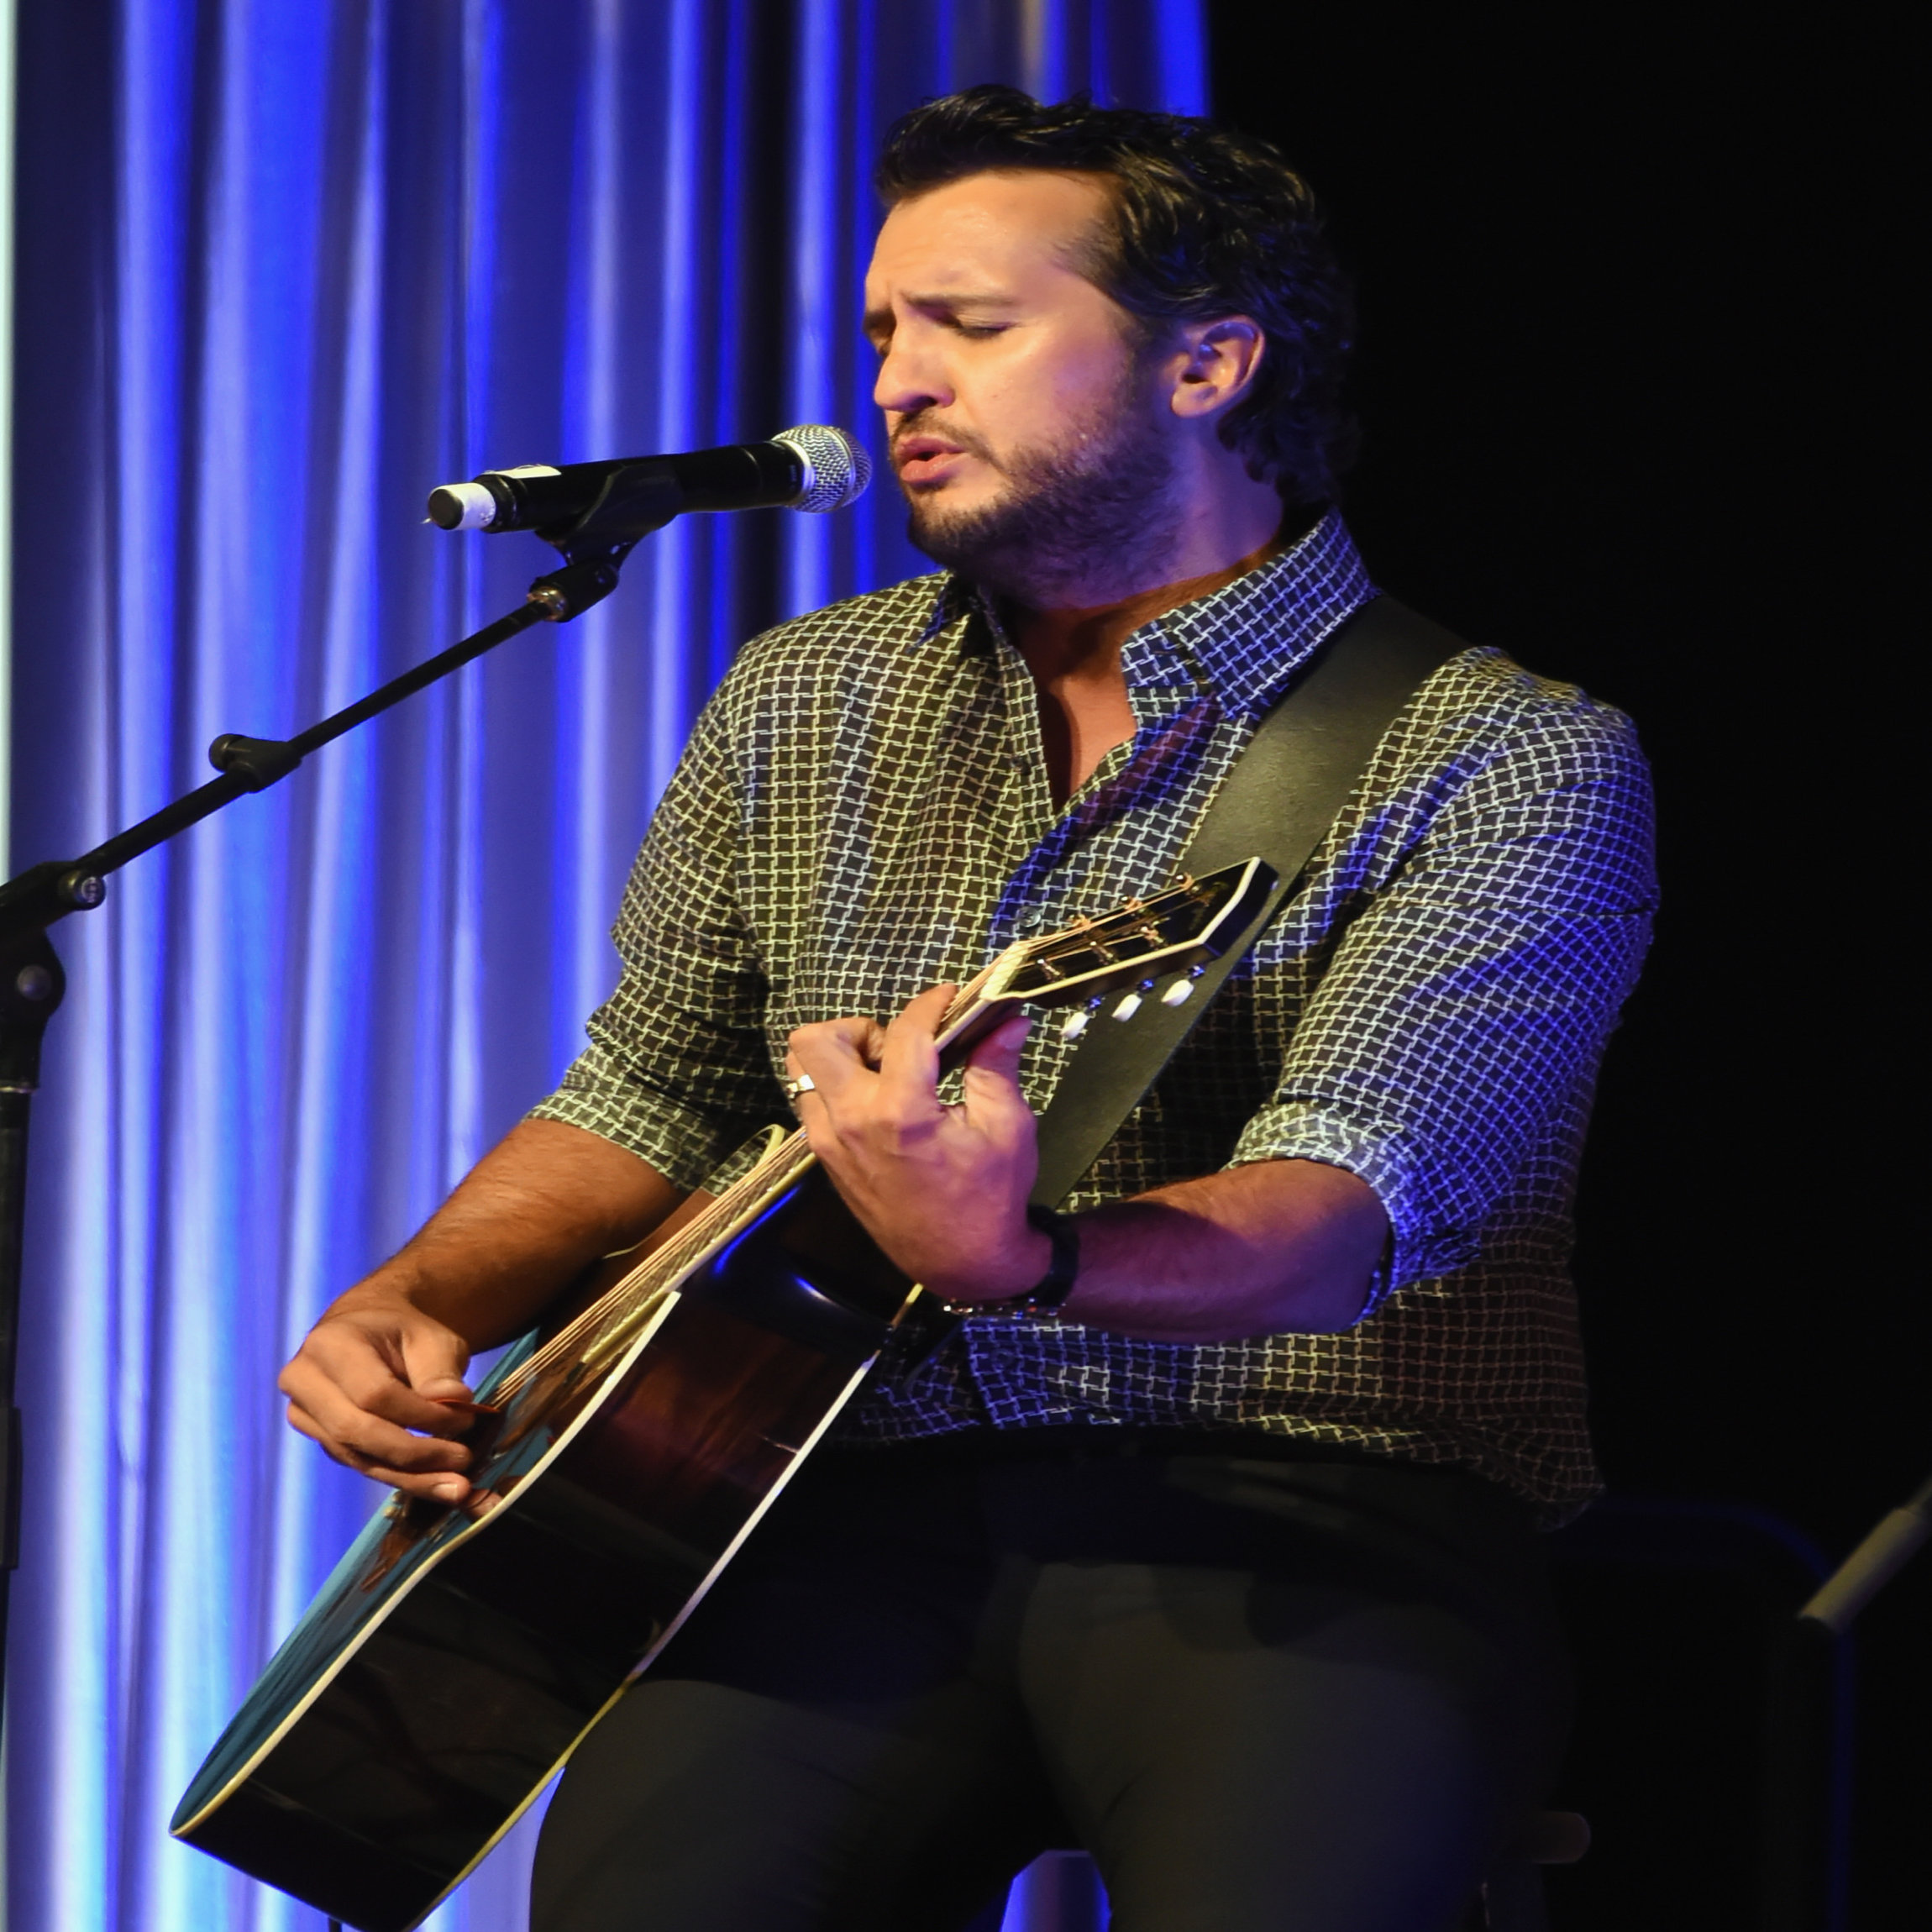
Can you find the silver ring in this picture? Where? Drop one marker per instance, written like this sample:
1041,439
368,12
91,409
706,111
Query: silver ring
792,1088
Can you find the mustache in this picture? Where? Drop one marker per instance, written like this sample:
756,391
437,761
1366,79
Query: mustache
923,423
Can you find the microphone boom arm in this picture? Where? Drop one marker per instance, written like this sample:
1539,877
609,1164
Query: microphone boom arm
51,890
32,982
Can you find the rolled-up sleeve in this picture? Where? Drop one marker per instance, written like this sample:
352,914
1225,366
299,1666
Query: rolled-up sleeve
677,1070
1458,1026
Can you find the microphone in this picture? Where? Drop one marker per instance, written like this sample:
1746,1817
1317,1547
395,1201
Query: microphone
812,468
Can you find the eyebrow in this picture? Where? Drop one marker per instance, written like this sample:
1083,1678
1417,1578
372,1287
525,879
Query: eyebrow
877,322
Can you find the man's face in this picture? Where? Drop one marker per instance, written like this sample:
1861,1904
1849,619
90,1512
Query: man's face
1025,430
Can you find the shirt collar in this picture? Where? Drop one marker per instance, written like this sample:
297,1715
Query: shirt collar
1241,642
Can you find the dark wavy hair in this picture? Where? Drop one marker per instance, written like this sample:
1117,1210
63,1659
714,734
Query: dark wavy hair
1206,222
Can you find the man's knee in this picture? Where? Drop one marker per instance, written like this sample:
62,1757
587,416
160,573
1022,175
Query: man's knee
694,1805
699,1807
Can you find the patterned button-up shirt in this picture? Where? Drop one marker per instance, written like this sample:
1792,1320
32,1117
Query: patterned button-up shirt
863,810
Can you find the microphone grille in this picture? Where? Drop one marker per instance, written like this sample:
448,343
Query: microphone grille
837,470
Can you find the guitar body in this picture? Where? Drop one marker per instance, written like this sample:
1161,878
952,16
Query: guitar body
451,1663
455,1657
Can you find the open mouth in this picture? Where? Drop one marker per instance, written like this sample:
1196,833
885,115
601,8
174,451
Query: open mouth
926,459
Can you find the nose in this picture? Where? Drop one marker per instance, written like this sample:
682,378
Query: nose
911,375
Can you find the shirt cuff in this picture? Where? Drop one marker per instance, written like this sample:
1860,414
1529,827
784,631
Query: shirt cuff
1416,1251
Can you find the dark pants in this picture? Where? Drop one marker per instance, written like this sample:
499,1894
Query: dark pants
1262,1693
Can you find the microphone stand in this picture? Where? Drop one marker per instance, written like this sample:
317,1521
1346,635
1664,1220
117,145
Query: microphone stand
31,979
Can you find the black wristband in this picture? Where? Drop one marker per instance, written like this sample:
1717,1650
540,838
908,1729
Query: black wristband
1053,1287
1057,1284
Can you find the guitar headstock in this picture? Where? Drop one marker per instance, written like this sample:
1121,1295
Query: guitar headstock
1169,938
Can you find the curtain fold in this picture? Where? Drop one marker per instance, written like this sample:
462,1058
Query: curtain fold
281,269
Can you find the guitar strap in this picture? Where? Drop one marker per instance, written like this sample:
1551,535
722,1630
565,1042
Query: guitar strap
1276,803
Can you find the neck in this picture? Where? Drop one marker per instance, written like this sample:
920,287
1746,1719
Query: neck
1074,652
1059,640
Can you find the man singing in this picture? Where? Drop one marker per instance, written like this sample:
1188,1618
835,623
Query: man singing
1225,1567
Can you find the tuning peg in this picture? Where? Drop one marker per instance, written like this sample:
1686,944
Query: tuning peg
1130,1003
1075,1023
1182,990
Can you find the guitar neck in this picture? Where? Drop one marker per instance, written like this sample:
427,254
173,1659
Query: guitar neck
784,1163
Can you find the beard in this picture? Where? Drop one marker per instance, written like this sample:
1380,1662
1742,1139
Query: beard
1081,524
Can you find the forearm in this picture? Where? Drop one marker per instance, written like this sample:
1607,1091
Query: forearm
536,1211
1261,1249
379,1380
1268,1248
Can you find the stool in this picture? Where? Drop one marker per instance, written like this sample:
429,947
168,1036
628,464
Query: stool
1512,1895
1061,1891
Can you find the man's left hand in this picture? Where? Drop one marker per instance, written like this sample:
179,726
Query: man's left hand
943,1189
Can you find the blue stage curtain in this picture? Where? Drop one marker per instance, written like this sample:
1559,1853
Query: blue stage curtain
282,267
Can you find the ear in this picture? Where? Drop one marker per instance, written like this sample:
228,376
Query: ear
1222,357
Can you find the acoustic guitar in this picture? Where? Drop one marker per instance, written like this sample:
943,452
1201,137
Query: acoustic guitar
622,1454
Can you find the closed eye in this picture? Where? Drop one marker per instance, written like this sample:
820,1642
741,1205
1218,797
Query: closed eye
881,340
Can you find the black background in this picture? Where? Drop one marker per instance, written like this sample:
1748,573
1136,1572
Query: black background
1631,381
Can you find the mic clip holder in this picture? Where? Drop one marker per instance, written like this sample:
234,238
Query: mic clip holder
589,576
633,502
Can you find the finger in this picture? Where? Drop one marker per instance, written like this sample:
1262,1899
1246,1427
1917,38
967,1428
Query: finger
911,1060
995,1103
434,1362
993,1066
383,1381
834,1054
342,1421
435,1489
441,1486
369,1444
441,1390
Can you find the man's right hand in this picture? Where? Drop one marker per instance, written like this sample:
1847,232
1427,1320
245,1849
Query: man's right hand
372,1383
